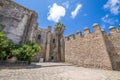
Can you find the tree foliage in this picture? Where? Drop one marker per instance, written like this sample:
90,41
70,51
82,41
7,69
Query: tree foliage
23,52
27,51
59,28
3,45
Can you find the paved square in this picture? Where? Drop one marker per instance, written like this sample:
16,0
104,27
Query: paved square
57,71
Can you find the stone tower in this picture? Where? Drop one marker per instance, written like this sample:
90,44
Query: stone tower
91,49
52,44
20,22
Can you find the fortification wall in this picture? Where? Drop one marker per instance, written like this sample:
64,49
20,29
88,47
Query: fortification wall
113,46
43,37
88,50
19,21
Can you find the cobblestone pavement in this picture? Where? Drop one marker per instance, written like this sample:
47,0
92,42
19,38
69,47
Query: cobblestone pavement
57,71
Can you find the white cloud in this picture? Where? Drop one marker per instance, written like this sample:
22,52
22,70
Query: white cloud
66,4
75,12
56,12
108,20
114,6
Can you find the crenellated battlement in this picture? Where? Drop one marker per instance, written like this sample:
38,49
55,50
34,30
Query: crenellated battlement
72,37
96,31
103,31
66,38
96,26
78,34
112,29
94,49
86,31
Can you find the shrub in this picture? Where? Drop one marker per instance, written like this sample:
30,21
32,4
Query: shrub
12,49
28,50
2,55
23,52
3,45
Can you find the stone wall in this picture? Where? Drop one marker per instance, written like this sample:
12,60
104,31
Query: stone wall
48,42
95,49
88,50
43,38
20,22
21,25
113,46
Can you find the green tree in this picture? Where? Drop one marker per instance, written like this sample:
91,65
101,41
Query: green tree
23,52
3,45
59,29
27,51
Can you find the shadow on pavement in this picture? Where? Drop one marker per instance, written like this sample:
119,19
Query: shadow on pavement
31,66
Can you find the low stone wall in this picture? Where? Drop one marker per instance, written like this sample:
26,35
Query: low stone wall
18,63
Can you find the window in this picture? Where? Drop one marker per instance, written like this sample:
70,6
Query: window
52,58
39,37
53,40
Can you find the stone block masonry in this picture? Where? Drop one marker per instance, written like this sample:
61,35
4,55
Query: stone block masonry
96,49
113,46
20,22
93,49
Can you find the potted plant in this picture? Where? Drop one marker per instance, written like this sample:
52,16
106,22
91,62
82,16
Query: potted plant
12,59
3,45
13,52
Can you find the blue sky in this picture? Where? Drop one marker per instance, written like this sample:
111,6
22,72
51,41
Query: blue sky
75,14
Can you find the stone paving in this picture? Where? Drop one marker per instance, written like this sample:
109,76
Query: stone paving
56,71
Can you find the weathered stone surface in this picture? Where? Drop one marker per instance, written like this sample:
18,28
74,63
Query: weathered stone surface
57,71
95,49
17,20
113,46
48,42
88,51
